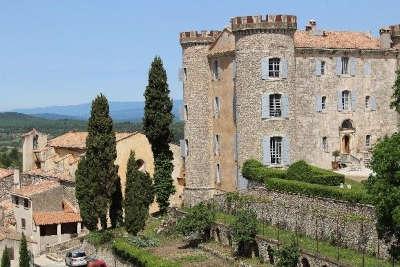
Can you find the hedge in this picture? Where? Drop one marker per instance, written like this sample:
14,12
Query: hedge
316,190
255,171
301,171
139,257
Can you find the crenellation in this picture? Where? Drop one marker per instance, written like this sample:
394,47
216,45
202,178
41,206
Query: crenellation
201,37
267,22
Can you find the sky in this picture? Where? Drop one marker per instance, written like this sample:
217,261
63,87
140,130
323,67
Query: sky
67,51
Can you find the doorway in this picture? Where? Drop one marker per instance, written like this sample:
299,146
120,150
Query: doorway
346,144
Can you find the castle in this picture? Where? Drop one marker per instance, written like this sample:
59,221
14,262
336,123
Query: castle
263,89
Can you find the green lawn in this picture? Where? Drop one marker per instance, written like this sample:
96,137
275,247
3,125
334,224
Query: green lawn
348,256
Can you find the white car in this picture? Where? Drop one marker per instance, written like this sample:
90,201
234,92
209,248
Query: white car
76,258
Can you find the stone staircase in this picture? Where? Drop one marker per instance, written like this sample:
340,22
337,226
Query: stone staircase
351,161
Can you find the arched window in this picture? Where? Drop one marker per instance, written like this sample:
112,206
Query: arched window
273,67
347,124
346,100
275,105
276,150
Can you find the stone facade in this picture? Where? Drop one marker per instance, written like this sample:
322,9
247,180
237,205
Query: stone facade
284,95
353,225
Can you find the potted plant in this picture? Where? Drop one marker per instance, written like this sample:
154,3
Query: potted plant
335,163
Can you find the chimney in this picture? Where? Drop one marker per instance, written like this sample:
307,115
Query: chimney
312,26
385,39
17,179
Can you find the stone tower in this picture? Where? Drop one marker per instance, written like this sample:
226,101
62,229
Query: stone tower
197,152
265,70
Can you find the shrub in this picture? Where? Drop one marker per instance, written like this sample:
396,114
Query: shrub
317,190
198,220
143,241
255,171
288,255
244,230
97,238
299,171
139,257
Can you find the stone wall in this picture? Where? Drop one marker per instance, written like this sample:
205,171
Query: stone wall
352,225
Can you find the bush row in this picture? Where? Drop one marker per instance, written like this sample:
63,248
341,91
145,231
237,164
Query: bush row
139,257
316,190
255,171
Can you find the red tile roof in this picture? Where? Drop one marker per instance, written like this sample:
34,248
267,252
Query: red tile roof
335,39
5,173
51,173
55,217
30,190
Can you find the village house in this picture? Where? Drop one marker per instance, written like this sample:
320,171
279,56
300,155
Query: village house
263,89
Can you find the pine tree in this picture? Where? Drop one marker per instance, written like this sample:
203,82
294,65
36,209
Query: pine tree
396,94
138,197
5,259
157,127
24,257
116,212
99,171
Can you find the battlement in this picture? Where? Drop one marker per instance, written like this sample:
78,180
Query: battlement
267,22
201,37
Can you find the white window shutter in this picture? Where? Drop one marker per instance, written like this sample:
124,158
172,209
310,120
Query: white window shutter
354,100
182,145
318,103
367,68
234,69
285,106
266,150
318,67
265,106
283,67
373,103
338,65
339,101
264,68
353,66
285,151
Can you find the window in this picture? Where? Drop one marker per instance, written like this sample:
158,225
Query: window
275,105
276,150
186,147
184,74
346,100
185,112
325,144
216,144
217,106
26,203
368,140
273,67
35,142
323,102
218,173
345,65
215,68
23,224
367,101
322,67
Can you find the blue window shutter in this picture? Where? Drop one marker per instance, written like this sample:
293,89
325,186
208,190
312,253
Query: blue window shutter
285,106
318,67
283,73
264,68
265,106
318,103
233,69
339,101
285,151
338,65
266,150
373,103
367,68
182,145
354,100
353,66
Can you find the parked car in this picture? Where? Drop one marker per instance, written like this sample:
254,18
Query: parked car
76,258
97,263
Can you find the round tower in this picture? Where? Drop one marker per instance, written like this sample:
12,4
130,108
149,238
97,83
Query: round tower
265,74
197,98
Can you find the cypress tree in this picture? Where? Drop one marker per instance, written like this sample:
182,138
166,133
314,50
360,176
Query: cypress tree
5,259
24,257
138,197
99,171
396,93
116,212
157,127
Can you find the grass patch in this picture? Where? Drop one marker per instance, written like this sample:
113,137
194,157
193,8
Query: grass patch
348,256
192,259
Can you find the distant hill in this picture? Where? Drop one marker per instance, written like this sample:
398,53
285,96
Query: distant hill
120,111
